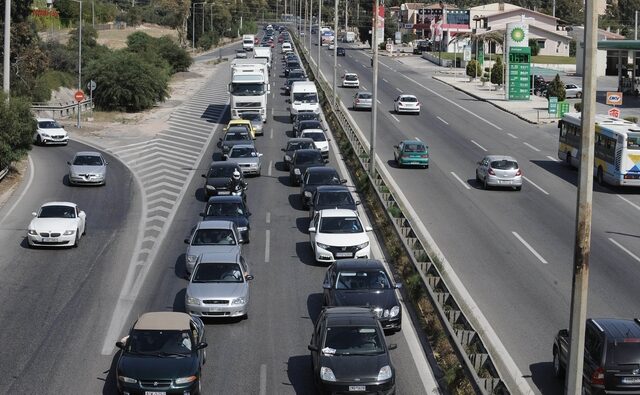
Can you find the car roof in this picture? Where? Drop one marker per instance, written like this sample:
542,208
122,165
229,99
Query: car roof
332,188
300,140
70,204
238,122
349,316
501,157
44,119
232,256
215,224
350,74
222,163
306,151
164,320
88,153
321,169
357,264
338,212
225,199
412,142
312,130
619,329
402,96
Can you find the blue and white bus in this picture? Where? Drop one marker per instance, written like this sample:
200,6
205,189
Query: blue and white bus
617,148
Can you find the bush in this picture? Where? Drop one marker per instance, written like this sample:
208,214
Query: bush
210,39
578,106
631,119
556,88
474,68
18,126
572,48
497,72
535,48
160,51
178,58
49,81
60,57
134,16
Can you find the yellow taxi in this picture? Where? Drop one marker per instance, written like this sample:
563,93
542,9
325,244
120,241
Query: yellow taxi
243,122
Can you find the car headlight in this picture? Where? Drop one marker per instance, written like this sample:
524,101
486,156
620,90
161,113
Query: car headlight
239,301
211,187
296,171
326,374
287,158
185,380
395,310
363,245
307,194
385,373
45,135
323,246
32,232
192,300
68,232
192,259
127,379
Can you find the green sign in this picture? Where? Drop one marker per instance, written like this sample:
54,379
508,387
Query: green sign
553,105
519,73
563,108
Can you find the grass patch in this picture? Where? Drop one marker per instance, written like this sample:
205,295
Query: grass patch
550,59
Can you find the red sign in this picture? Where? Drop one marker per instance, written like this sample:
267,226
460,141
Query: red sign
79,96
614,112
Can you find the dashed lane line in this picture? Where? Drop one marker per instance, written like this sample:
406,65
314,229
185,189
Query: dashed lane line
442,120
531,146
464,184
394,117
535,185
479,146
629,201
623,248
534,252
267,241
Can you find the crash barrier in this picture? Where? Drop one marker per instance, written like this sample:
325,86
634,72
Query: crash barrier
60,110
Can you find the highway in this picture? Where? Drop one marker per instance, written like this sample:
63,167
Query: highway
512,250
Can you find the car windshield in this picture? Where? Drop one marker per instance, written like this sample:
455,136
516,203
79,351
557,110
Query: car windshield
353,340
308,158
160,343
57,212
504,164
226,272
48,125
212,237
310,124
315,136
351,77
296,145
364,96
221,171
296,74
365,279
237,136
323,178
408,99
340,225
243,152
305,97
87,160
414,148
335,198
225,209
624,352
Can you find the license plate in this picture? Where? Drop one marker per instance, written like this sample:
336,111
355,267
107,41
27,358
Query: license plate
343,254
357,388
155,393
631,380
213,309
50,239
222,193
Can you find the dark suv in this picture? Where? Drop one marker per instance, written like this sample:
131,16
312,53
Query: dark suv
611,356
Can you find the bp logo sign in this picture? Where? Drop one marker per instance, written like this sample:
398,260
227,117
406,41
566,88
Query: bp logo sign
517,34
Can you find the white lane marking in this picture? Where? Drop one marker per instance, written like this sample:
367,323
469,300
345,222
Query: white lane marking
385,80
339,65
263,379
271,136
553,159
452,102
270,166
394,117
363,87
268,217
464,184
417,138
266,245
534,252
630,202
535,185
479,146
634,256
512,135
399,90
442,120
378,101
32,171
531,146
272,112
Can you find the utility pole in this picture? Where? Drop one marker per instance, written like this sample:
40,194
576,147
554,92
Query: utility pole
319,36
554,9
635,27
346,16
582,246
335,54
193,26
7,49
93,14
374,100
79,59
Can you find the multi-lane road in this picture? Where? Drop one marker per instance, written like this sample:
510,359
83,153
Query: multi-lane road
512,250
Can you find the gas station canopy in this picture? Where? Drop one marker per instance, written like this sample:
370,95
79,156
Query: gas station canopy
631,45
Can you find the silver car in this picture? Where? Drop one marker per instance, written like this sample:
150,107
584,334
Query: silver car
499,171
362,100
212,236
219,286
88,167
256,121
246,156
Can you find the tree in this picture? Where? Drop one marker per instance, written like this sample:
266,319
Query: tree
497,72
535,49
18,127
556,88
474,68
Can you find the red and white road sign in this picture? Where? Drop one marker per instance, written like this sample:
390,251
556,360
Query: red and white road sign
614,112
79,96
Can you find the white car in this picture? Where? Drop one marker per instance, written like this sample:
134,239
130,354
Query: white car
406,103
338,234
50,132
286,47
350,80
57,224
319,139
573,90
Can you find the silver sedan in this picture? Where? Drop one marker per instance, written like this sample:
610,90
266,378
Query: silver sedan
499,171
89,168
246,156
362,100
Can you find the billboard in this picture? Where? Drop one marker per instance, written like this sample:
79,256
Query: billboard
517,34
380,25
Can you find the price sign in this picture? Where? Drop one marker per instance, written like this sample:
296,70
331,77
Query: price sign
553,105
519,73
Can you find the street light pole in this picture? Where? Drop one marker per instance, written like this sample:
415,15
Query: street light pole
374,108
79,58
193,26
319,37
7,49
335,54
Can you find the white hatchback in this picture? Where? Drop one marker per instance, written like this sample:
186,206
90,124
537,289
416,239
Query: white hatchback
319,139
406,103
50,132
350,80
338,234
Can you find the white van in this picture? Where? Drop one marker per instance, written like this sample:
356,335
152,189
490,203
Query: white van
248,42
286,47
304,97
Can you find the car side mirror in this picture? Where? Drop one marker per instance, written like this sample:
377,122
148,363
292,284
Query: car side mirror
69,163
219,144
395,146
326,161
564,332
201,345
249,277
204,175
225,156
34,214
187,241
120,345
326,286
259,155
283,150
392,346
312,229
106,163
202,215
358,202
82,214
398,285
368,229
343,181
311,347
241,240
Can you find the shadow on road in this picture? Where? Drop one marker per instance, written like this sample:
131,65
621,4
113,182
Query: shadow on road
296,202
300,374
214,112
305,253
178,301
110,386
542,377
314,306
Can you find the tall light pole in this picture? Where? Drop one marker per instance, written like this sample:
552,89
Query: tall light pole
374,99
310,24
319,36
79,57
7,48
335,53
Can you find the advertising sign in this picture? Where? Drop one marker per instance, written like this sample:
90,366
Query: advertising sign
614,98
614,112
517,34
553,105
466,53
380,25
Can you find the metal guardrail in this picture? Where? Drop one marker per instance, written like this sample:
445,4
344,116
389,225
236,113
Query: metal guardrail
4,172
60,110
444,288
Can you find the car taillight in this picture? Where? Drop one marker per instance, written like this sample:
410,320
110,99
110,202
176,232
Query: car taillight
424,156
519,172
597,377
493,173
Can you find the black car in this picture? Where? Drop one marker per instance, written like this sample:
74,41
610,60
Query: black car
611,356
364,283
229,208
340,51
297,73
304,116
218,177
234,135
293,145
307,124
349,353
331,196
301,160
291,65
315,177
163,353
290,80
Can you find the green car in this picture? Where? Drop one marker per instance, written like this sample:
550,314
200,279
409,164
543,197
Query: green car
411,153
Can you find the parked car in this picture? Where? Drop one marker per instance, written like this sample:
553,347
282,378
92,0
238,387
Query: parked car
313,177
331,196
219,286
301,160
350,80
218,177
611,356
411,153
319,138
349,353
229,208
364,282
406,103
211,236
499,171
338,234
49,131
293,145
340,51
163,353
57,224
573,90
88,168
362,100
256,121
234,135
247,157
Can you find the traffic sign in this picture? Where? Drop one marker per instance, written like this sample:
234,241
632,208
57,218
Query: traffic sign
91,85
614,98
408,25
553,105
614,112
79,96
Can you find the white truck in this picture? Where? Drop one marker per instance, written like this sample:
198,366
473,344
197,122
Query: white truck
263,53
349,37
249,87
248,42
304,97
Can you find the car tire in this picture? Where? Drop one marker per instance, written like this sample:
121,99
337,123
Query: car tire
77,241
477,176
567,159
518,188
485,186
558,370
600,176
579,95
38,140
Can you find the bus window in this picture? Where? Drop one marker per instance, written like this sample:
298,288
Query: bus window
633,142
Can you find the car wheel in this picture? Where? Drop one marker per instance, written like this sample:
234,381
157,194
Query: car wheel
600,176
518,188
477,176
579,95
567,159
484,184
38,140
77,241
558,370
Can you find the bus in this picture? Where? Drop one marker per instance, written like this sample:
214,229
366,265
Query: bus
617,148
